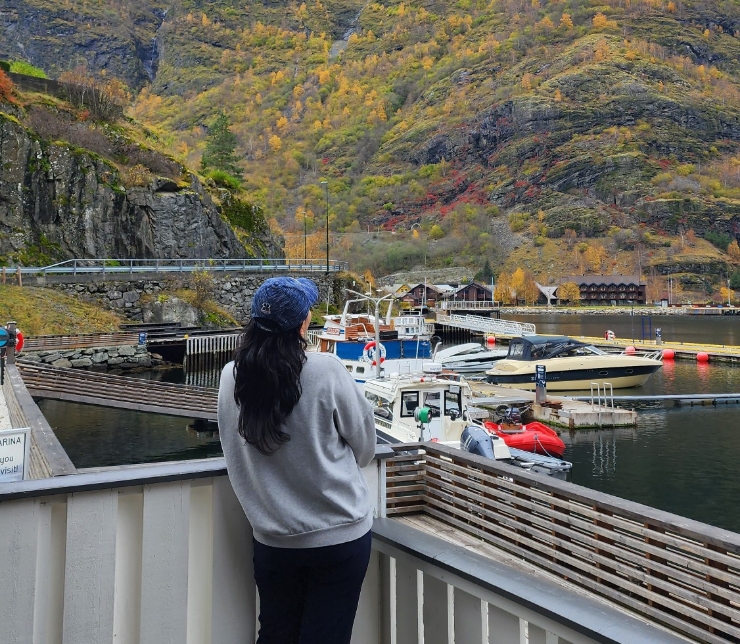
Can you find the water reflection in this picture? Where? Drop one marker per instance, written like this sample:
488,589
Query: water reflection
681,460
99,436
675,328
678,459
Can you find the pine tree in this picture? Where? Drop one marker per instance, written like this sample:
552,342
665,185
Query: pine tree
220,146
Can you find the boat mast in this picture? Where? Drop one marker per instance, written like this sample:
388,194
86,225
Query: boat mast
376,301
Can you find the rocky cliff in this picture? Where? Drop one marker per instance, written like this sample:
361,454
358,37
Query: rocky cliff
59,201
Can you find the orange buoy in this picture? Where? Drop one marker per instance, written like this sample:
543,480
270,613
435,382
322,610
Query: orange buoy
630,350
702,356
668,354
491,340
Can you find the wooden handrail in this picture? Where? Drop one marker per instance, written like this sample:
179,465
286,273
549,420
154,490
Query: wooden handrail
680,572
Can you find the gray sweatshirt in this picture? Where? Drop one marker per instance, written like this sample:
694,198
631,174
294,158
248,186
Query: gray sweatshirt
311,492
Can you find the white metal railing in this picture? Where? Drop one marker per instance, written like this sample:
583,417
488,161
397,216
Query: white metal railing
312,337
458,305
487,325
130,266
162,554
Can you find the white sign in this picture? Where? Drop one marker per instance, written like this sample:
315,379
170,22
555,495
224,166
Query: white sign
15,449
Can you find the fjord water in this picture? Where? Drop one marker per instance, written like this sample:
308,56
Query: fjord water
679,459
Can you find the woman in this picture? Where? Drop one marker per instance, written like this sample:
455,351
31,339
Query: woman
296,432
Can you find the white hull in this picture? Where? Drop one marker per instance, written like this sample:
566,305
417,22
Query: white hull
623,382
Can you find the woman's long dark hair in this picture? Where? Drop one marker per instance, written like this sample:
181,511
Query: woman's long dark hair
267,371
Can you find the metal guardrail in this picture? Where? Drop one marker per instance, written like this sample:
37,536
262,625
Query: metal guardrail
131,266
487,325
669,569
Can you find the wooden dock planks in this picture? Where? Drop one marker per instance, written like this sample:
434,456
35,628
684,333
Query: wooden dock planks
123,392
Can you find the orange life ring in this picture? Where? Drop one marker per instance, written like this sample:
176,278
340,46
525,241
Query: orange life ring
371,359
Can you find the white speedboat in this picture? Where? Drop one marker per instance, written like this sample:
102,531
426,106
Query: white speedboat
570,365
468,357
434,406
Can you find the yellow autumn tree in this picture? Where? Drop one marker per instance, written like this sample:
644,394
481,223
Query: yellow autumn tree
569,292
275,143
599,21
595,257
733,250
566,22
517,283
530,292
502,291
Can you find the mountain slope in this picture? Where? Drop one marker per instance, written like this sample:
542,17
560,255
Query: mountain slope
474,126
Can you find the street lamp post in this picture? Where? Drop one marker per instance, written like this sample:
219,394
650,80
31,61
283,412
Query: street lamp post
326,187
729,292
305,247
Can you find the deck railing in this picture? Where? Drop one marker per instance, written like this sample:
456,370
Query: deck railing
161,554
672,570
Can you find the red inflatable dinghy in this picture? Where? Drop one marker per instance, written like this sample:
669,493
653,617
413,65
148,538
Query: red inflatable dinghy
532,437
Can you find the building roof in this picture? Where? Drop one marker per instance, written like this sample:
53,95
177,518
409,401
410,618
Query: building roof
605,280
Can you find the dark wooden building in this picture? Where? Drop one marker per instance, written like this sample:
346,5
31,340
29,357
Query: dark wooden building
421,295
472,292
610,289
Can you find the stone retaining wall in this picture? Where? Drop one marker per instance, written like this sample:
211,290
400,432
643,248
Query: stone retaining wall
137,299
120,357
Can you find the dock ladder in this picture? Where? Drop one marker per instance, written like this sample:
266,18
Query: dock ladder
601,395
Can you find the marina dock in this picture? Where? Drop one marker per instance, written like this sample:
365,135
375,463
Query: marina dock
122,392
558,410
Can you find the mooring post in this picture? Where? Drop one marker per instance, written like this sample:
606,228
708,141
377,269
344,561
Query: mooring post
10,354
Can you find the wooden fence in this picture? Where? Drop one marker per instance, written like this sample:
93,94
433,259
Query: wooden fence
79,341
673,570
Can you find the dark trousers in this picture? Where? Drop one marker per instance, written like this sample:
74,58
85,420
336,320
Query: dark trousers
309,595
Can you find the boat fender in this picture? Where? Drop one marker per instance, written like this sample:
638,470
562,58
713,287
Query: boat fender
477,441
369,353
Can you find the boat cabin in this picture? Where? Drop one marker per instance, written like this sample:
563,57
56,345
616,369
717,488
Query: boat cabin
541,347
396,399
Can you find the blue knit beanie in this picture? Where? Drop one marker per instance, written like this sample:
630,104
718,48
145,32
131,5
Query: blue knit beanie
284,301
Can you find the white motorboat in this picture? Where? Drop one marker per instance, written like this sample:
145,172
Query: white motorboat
468,357
434,406
570,365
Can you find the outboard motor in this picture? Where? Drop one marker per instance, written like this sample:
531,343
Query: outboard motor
477,441
514,416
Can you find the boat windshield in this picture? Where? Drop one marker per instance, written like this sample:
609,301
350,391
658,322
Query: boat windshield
544,347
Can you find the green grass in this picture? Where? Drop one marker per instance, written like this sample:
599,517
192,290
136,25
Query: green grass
42,311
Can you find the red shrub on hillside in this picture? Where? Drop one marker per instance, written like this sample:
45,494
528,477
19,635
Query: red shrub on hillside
6,88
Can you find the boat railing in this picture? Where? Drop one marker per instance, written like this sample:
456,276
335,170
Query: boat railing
667,569
163,553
